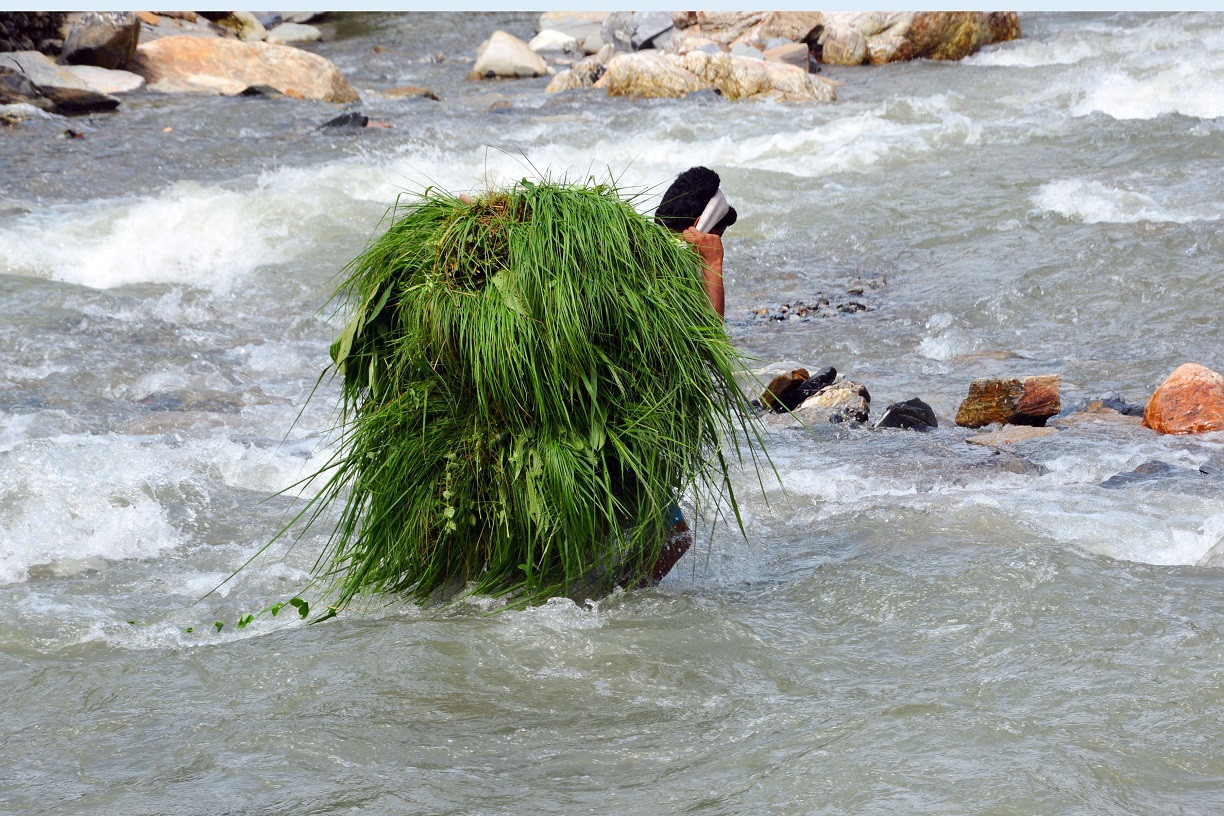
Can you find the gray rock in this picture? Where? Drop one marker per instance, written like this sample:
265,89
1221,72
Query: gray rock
792,54
584,26
649,29
41,71
107,39
741,50
302,16
1162,475
295,33
107,81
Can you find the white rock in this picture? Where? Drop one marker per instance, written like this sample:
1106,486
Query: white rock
106,81
583,26
42,71
550,39
505,55
295,33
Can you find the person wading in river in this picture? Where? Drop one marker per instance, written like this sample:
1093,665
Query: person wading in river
694,203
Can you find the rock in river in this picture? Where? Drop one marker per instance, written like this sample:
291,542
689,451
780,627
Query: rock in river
106,39
225,66
1190,401
843,401
1030,401
654,74
913,414
504,55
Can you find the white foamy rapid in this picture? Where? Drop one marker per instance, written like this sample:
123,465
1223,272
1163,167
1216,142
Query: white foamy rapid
1094,202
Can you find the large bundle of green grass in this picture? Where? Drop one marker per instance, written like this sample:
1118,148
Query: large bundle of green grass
530,380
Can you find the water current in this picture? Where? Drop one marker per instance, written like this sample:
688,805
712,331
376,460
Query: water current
914,625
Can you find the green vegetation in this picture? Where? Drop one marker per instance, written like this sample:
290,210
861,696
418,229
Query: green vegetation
530,380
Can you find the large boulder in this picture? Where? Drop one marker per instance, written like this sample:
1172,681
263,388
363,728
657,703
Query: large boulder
1190,401
584,26
200,65
106,39
504,55
877,37
1010,401
651,74
656,74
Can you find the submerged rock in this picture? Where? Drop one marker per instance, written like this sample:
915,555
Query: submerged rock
410,91
506,56
913,415
1030,401
1010,435
1190,401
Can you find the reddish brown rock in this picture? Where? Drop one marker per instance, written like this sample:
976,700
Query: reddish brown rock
1030,401
1190,401
779,385
202,65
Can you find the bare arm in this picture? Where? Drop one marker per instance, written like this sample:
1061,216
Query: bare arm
711,249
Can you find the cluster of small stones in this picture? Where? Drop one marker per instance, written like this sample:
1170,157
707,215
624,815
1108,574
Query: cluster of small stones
823,305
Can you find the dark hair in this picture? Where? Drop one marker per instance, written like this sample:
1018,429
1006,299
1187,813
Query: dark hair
686,199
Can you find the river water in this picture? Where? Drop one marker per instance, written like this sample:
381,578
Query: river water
914,625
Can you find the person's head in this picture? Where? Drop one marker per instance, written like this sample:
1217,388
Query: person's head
686,199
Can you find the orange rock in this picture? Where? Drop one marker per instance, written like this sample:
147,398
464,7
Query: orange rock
1190,401
226,66
147,17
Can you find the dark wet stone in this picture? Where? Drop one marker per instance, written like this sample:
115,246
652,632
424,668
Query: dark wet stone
1152,471
268,91
913,415
73,101
350,120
